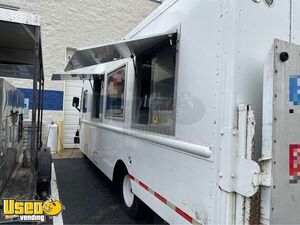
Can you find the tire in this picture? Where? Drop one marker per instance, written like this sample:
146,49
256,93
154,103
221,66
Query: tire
131,203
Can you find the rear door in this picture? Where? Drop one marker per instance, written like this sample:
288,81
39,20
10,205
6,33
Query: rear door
281,135
71,115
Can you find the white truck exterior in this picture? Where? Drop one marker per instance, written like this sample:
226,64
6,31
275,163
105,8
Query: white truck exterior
202,160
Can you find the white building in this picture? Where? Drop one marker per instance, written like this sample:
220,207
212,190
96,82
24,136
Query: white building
69,24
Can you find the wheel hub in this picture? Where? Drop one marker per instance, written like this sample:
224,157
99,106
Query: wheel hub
127,191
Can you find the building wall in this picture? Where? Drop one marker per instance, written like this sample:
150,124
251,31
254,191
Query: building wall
69,23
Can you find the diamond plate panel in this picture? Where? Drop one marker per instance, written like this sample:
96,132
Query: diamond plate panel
15,16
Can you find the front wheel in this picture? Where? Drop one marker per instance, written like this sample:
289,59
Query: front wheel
130,201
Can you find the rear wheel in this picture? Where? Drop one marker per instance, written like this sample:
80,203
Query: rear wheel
130,201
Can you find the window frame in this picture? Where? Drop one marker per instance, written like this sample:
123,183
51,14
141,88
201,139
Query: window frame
100,118
107,74
142,127
83,104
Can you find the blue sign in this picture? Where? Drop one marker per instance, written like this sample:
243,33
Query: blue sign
294,95
53,100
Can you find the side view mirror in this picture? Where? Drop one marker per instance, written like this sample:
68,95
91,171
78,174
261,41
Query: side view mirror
75,103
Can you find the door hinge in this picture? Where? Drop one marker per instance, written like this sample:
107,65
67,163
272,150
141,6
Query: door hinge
261,179
241,174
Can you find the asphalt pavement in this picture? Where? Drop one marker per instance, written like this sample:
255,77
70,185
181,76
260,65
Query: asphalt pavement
89,196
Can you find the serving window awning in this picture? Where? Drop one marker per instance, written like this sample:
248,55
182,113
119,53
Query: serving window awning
20,45
116,51
80,74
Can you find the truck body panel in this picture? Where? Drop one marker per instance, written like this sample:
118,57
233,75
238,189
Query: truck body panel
206,169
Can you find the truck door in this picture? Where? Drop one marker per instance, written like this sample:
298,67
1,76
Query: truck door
280,203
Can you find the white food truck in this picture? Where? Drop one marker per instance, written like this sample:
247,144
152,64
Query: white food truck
196,111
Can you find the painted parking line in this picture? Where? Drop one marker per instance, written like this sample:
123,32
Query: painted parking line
57,220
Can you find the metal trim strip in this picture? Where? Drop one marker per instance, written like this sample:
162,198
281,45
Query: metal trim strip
182,146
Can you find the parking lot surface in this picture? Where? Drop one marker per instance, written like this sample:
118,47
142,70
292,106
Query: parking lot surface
89,196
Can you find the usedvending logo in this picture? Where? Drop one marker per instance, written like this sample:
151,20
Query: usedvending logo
31,211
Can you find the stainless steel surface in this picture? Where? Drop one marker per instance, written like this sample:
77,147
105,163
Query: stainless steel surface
19,17
20,71
115,51
21,57
18,41
11,106
80,74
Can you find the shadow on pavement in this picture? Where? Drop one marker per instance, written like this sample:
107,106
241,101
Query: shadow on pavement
89,196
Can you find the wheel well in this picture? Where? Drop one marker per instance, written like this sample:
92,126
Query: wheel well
119,168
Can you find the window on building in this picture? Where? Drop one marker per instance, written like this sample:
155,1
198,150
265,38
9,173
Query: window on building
98,93
154,105
115,93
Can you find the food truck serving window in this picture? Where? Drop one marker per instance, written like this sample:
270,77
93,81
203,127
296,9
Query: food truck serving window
84,101
98,93
115,93
155,85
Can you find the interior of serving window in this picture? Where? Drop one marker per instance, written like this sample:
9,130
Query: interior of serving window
84,100
115,96
98,96
154,102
